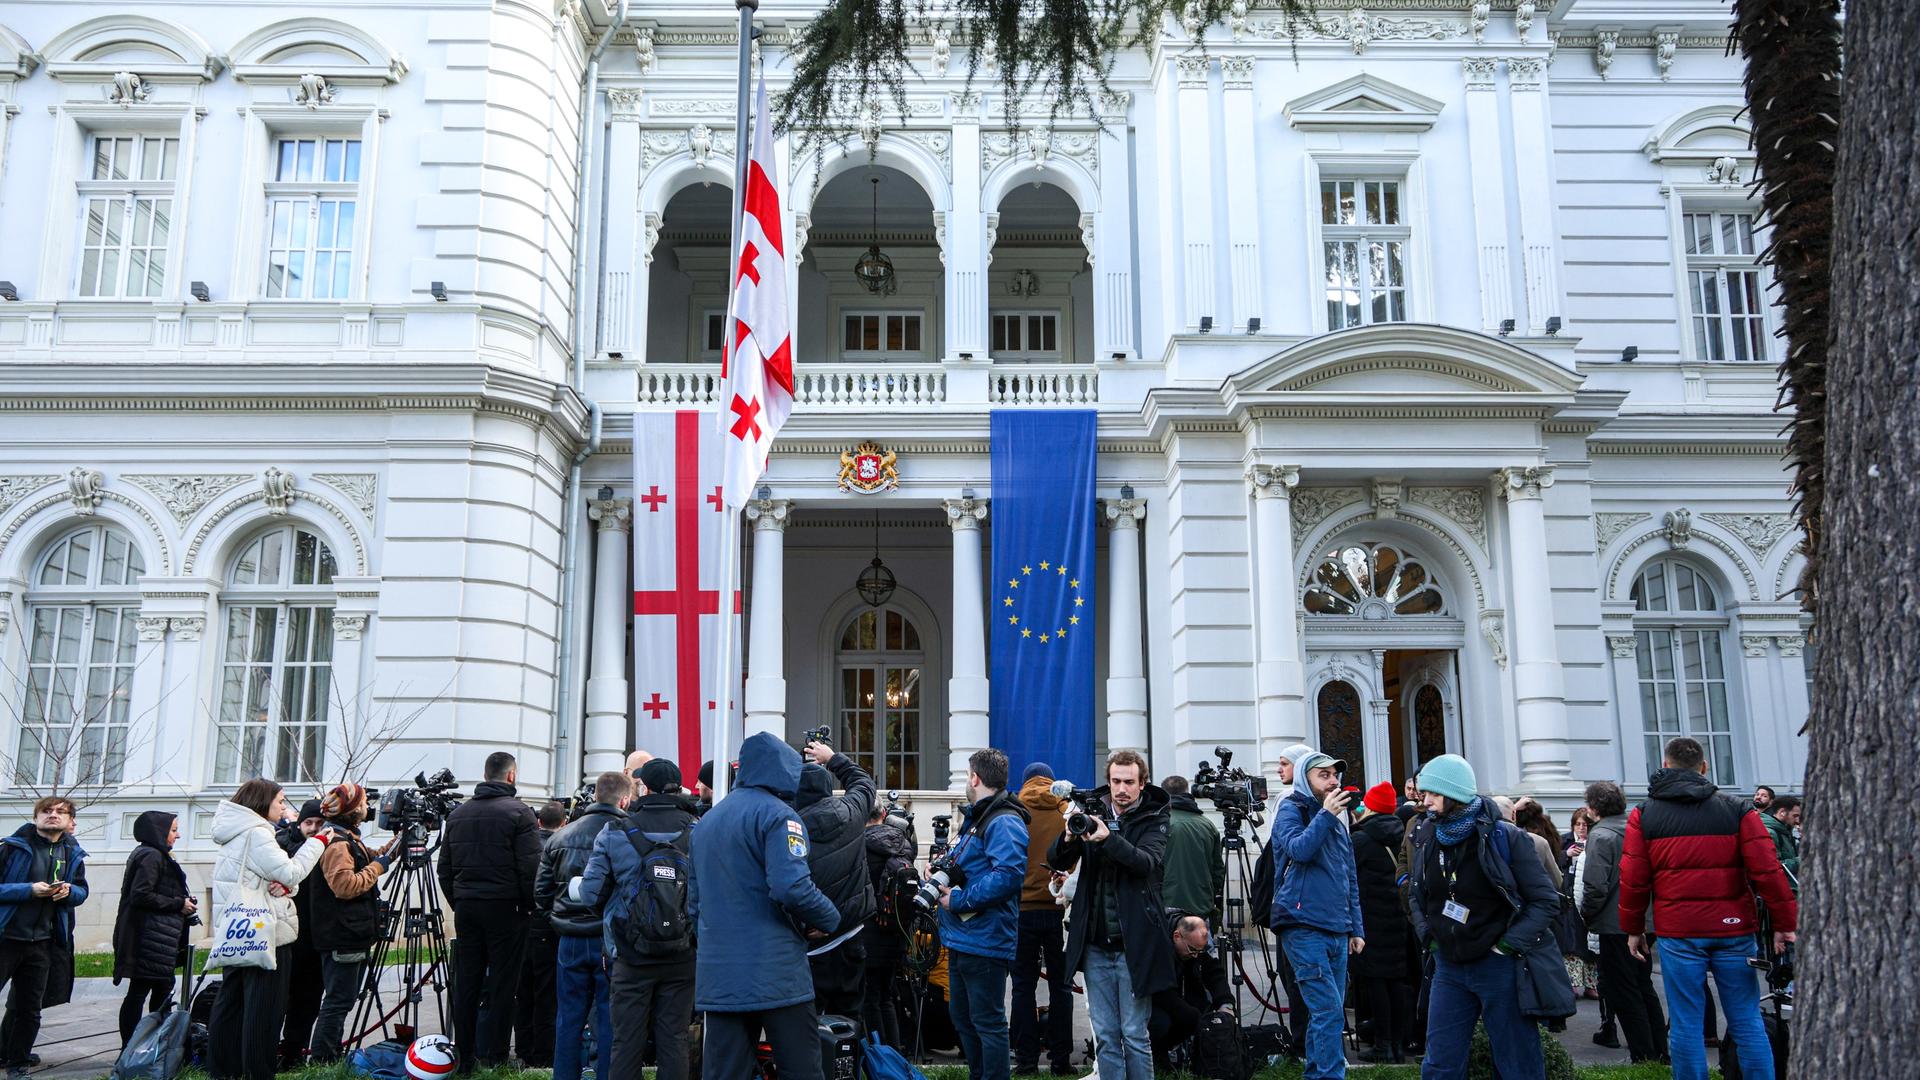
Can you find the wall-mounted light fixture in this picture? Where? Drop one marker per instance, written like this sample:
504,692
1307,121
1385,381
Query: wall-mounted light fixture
1553,325
439,291
200,291
8,292
606,492
1629,354
1506,327
1126,491
1206,324
1253,325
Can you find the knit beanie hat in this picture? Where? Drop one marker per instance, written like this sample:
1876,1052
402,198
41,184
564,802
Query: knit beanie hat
344,801
1038,768
309,809
1380,798
660,775
706,774
1449,775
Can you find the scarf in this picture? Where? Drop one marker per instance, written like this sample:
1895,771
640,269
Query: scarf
1454,827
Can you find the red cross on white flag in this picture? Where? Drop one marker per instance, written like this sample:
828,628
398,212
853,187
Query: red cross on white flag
756,391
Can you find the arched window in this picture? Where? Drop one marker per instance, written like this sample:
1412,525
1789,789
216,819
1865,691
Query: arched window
880,662
81,611
1341,732
1680,632
276,673
1372,581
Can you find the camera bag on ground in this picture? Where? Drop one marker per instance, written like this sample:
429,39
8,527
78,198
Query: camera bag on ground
649,914
839,1048
200,1021
1265,1044
883,1062
1217,1052
382,1061
159,1045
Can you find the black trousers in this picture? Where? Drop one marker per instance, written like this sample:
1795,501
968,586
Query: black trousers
1175,1019
24,965
304,987
1626,985
880,1005
246,1021
143,996
791,1030
656,1002
534,1004
839,981
490,938
1390,1005
1041,948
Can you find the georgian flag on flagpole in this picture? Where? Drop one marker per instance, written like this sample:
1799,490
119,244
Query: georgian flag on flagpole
756,391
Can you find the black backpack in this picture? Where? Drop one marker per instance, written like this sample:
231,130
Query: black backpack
649,912
1217,1053
893,894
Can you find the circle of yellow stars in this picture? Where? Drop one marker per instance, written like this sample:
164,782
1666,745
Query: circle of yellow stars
1037,631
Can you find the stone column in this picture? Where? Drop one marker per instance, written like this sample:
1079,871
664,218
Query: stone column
1278,671
967,684
1798,707
1126,667
355,601
965,251
1624,648
144,690
1243,188
1113,237
623,312
604,745
766,648
1489,193
1196,191
1532,150
182,722
1540,703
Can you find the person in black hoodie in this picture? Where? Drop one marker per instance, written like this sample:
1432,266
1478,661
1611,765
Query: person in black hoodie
889,849
489,857
150,931
580,968
1380,972
304,983
345,913
836,824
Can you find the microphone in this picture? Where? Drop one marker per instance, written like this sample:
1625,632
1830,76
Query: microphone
1061,789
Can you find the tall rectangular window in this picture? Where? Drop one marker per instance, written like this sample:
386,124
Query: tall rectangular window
1725,291
1364,227
1025,334
127,207
312,206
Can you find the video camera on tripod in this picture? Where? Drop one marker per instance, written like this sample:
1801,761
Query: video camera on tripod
1227,786
426,804
1091,808
895,815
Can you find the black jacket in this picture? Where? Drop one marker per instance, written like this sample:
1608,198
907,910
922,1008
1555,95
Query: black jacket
1375,840
1519,879
490,847
1202,982
565,858
345,925
289,837
836,826
889,853
150,931
1131,861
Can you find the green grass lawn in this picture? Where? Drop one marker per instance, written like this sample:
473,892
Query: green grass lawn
1289,1071
99,965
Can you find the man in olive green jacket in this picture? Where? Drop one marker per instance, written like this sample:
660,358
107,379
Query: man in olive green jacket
1781,817
1196,866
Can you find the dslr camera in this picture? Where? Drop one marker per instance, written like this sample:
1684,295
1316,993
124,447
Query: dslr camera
422,807
943,872
1091,808
815,735
1227,786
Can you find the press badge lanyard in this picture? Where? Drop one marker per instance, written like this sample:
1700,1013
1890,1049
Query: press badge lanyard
1452,909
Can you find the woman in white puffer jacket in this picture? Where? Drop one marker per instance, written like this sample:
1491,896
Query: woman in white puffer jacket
252,870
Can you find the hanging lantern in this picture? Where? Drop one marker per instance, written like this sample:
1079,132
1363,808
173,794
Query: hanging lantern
874,271
876,582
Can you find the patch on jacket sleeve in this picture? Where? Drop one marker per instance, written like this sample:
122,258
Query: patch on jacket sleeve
794,827
796,847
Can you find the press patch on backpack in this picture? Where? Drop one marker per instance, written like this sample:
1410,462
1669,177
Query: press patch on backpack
667,872
796,847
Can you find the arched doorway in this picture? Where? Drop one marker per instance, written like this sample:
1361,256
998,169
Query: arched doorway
1337,707
880,666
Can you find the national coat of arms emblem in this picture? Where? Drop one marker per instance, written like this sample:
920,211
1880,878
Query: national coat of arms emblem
868,468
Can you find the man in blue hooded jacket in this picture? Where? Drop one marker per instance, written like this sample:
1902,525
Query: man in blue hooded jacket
980,917
1316,902
755,905
43,877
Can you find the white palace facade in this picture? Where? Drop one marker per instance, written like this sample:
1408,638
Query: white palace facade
1433,364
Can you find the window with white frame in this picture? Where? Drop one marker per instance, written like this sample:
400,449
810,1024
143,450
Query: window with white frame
1026,335
1680,633
276,667
1726,291
126,222
880,333
713,332
312,208
82,611
1366,238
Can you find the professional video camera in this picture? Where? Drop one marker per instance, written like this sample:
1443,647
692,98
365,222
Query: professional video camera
423,807
942,831
944,871
1092,809
577,803
1227,786
896,815
819,735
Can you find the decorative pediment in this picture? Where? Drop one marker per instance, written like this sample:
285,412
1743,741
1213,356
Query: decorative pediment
17,59
333,50
1363,103
99,49
1700,136
1405,361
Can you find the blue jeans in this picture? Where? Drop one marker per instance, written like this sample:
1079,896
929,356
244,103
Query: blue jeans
977,999
1684,966
1319,962
1486,990
580,983
1121,1042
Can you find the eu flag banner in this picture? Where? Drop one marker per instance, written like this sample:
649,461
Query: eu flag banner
1041,592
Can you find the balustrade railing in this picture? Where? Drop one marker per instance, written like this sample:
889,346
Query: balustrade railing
1031,384
850,386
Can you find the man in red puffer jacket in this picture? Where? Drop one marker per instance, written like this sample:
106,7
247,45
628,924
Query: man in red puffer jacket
1699,858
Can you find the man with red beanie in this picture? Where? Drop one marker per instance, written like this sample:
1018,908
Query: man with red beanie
1699,858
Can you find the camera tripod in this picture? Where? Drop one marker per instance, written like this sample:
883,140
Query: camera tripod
410,909
1233,906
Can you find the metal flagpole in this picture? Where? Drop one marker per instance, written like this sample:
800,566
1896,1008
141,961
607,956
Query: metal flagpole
730,521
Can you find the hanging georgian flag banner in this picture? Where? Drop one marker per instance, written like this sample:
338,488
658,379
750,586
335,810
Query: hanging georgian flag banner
756,391
677,514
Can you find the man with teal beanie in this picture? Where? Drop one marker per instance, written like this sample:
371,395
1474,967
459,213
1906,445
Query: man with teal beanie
1476,907
1316,903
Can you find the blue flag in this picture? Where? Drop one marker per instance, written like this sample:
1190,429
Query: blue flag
1040,595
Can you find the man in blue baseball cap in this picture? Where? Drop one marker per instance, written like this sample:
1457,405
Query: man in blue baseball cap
1316,902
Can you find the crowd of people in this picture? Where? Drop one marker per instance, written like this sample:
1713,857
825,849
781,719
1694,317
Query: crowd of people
653,926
